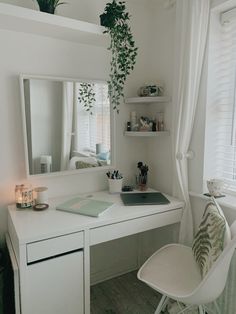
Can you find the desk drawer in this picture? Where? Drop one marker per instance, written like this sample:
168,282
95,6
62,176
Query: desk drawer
129,227
55,246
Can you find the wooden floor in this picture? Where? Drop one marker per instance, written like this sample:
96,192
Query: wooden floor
123,295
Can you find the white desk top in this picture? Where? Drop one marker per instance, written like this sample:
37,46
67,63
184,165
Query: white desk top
33,225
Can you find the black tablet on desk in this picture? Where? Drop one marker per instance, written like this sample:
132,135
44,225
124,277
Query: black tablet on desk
147,198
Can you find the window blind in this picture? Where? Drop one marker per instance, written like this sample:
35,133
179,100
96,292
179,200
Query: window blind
222,105
94,128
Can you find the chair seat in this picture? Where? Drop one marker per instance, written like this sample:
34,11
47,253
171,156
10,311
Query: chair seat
172,270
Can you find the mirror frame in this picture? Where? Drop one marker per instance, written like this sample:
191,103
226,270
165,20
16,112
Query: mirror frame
22,77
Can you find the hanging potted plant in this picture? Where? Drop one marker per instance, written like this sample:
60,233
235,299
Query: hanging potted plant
49,6
122,46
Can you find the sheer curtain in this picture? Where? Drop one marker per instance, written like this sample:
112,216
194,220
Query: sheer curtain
192,19
67,123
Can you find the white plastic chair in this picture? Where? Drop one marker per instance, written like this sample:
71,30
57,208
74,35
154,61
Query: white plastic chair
173,272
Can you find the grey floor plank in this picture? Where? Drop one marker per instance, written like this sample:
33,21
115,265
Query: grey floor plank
123,295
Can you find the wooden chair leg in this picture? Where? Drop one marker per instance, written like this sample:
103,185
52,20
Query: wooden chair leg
161,304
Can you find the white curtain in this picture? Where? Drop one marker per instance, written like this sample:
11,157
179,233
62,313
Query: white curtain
192,19
67,123
75,127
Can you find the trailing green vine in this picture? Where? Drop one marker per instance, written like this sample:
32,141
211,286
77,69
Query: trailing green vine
87,96
116,21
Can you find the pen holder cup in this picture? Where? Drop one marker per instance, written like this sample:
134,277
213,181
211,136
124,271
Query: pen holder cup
115,185
141,181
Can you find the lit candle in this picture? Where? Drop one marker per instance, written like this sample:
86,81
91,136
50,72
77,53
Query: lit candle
24,196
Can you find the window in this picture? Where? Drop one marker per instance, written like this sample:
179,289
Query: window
221,108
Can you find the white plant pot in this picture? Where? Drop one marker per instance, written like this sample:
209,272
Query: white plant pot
215,187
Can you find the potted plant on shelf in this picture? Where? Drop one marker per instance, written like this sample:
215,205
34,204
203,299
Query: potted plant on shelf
123,50
49,6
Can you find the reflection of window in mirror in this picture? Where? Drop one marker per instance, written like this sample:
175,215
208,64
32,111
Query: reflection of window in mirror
61,133
92,128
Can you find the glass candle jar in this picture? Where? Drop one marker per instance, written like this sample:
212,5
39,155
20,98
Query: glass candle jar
24,196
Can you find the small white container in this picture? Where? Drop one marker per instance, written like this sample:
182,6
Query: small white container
42,195
115,185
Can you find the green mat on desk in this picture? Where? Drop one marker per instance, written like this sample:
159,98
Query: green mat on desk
85,206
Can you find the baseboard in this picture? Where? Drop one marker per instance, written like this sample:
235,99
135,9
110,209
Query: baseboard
110,273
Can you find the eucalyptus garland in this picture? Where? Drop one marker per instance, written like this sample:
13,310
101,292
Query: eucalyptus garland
87,96
123,51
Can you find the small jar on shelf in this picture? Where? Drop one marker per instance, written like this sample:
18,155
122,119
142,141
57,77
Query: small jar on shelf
128,128
154,125
160,124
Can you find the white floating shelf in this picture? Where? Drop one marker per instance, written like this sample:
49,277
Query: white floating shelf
147,100
15,18
147,134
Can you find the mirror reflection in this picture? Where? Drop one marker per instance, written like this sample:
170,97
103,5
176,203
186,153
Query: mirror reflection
67,124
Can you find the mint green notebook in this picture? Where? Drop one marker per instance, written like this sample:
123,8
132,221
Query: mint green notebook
85,206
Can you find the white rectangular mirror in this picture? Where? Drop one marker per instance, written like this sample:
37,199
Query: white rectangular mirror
67,124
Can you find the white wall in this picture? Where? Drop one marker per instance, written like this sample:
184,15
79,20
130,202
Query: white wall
155,62
162,60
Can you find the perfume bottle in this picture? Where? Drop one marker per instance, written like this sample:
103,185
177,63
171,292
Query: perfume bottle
154,125
161,122
128,126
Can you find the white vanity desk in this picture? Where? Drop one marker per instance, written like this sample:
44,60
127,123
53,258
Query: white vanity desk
52,248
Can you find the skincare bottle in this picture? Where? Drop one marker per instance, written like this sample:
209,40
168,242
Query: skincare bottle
161,121
133,120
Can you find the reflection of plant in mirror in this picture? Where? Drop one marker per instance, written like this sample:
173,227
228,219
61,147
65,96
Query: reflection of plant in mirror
87,96
49,6
115,19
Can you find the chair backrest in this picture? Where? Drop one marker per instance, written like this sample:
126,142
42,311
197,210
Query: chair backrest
214,281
